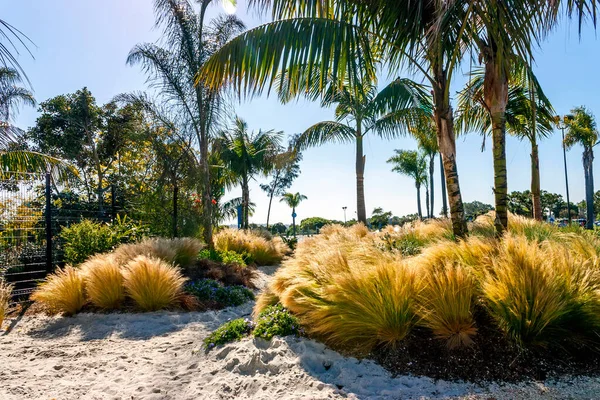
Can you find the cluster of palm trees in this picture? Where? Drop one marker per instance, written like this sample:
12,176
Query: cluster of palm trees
329,49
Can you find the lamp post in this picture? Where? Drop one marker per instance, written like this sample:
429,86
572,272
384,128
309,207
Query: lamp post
344,208
561,123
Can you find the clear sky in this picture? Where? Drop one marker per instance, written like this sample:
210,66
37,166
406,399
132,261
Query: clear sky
85,43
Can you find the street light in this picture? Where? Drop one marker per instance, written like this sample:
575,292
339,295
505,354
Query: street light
344,208
561,123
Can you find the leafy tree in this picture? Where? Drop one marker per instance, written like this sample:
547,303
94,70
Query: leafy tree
476,208
315,223
380,218
285,168
74,128
188,108
278,228
581,129
293,200
412,164
247,155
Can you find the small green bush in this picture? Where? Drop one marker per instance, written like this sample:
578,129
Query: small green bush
291,241
208,290
407,245
225,257
86,238
229,332
276,320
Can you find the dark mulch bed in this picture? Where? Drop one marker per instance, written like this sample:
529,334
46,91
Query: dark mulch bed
491,358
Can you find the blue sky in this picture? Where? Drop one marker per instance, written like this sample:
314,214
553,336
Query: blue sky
85,43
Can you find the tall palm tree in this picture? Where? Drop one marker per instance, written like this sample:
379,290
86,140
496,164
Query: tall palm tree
293,200
193,109
581,129
529,116
412,164
424,132
360,110
247,155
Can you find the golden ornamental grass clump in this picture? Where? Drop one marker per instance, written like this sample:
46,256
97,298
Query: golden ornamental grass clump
346,290
537,284
263,251
103,282
62,292
180,251
5,293
152,283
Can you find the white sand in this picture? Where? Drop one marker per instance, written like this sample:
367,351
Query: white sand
159,356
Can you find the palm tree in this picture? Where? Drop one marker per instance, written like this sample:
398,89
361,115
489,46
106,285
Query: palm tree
529,115
360,110
14,156
424,132
293,200
581,129
246,155
412,164
191,110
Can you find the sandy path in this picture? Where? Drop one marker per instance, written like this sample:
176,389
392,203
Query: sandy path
158,356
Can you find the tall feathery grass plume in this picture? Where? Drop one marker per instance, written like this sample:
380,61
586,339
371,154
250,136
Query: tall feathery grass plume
62,292
104,282
152,283
539,294
446,301
5,296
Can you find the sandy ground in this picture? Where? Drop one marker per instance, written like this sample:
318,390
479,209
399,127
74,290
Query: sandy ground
159,356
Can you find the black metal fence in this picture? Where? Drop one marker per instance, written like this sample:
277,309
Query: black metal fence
30,224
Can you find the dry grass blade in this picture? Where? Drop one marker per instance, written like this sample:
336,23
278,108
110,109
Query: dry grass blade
104,282
63,291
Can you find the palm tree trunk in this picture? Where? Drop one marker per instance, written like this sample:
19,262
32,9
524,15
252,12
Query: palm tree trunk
431,196
245,202
427,201
535,181
361,210
496,97
588,162
447,144
443,189
294,221
206,191
419,212
271,197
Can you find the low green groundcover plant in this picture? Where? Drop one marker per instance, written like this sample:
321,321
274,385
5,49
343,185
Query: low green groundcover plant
276,321
272,321
225,257
209,290
229,332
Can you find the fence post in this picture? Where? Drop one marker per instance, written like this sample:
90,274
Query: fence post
175,191
48,224
113,211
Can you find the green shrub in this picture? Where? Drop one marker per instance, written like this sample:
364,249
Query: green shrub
86,238
208,290
276,321
229,332
225,257
291,241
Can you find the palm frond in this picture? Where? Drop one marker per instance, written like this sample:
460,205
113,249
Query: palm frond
325,132
30,161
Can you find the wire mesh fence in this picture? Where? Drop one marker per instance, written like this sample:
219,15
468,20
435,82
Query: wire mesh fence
30,224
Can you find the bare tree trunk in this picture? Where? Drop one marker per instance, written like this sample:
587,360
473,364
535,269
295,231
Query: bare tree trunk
443,189
431,194
535,181
588,162
361,210
419,212
271,197
495,92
